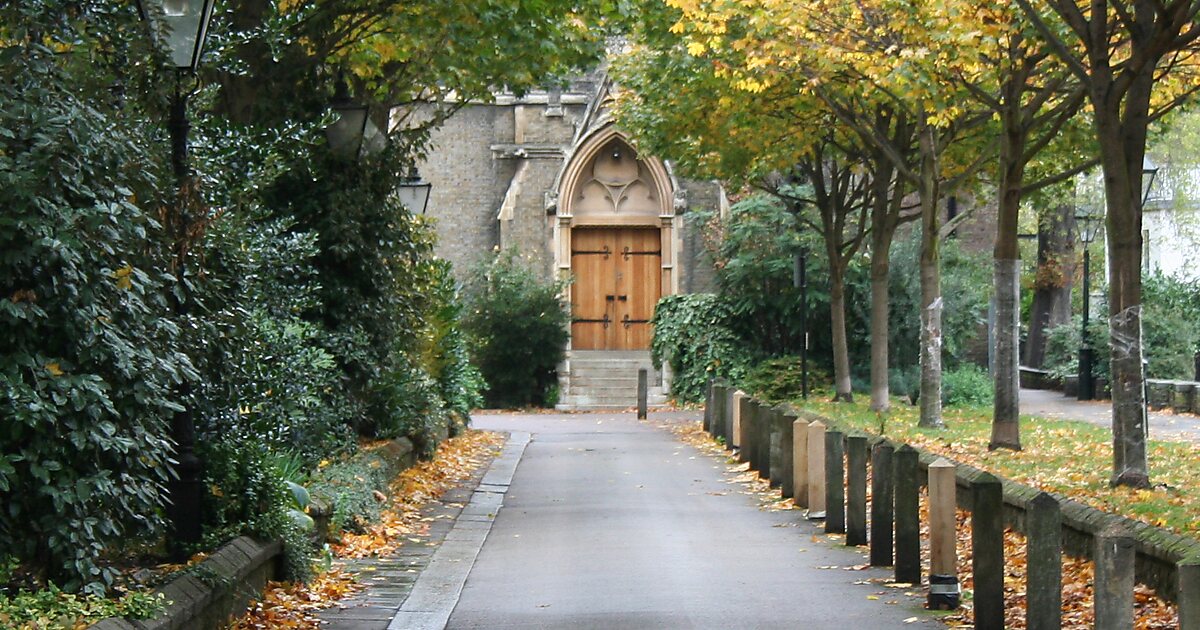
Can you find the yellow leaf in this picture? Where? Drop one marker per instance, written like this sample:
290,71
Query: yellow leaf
54,369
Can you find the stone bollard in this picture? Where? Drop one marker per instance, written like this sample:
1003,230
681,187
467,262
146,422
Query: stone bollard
718,413
881,505
835,482
1189,593
1114,578
856,490
736,407
707,423
944,593
787,453
762,448
775,461
800,462
743,426
908,518
643,393
816,470
987,541
1043,553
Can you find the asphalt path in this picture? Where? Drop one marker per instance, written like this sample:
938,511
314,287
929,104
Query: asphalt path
1164,425
614,523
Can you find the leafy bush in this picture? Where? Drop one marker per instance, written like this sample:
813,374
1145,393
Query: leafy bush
87,358
1062,348
518,324
691,335
967,385
781,379
53,608
1171,326
248,494
348,485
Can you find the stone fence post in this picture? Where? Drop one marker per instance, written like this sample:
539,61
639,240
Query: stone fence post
835,482
800,462
787,453
987,541
881,505
856,490
1114,578
737,409
908,518
1043,553
816,470
1189,593
944,593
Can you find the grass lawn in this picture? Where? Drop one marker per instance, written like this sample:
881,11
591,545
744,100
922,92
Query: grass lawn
1067,457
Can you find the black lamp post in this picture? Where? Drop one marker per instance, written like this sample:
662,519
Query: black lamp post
1088,224
180,26
800,281
413,191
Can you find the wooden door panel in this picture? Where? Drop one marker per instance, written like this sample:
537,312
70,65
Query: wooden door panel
618,280
591,260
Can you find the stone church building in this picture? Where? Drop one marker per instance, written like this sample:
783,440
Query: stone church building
549,174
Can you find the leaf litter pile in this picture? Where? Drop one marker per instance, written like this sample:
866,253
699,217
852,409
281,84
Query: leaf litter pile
291,606
1151,612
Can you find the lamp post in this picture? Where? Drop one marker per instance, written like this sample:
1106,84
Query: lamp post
413,191
1088,225
800,281
181,26
353,133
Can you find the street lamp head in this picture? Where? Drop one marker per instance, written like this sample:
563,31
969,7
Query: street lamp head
353,132
180,26
1149,172
413,191
1088,224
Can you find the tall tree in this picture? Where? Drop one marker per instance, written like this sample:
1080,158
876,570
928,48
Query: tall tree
1121,51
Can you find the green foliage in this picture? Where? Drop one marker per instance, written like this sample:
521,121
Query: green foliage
518,326
754,259
967,385
348,486
249,495
87,361
445,349
1062,348
1170,326
966,286
691,334
781,379
52,608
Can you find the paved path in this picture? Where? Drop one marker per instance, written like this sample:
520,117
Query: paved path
1053,404
614,523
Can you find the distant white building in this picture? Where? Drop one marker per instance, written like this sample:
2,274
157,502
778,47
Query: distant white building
1171,224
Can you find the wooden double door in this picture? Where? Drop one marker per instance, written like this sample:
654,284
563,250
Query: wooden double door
618,280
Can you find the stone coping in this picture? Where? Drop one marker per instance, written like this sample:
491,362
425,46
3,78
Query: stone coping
210,593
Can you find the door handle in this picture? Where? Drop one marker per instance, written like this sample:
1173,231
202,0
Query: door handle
623,298
609,298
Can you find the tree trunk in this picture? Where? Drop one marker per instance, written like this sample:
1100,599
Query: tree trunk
883,226
1122,149
931,285
1006,427
1052,287
837,313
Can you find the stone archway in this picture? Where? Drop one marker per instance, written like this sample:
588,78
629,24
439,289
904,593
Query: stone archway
616,233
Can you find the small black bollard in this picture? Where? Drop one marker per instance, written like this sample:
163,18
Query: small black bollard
908,517
835,489
643,393
881,505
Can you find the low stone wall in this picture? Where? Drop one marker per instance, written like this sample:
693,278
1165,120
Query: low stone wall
1178,396
207,595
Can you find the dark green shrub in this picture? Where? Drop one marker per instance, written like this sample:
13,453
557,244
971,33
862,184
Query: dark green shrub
248,494
781,379
518,325
348,486
691,335
967,385
1170,326
446,352
88,355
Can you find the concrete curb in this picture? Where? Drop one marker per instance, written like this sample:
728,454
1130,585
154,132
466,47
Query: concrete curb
436,591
